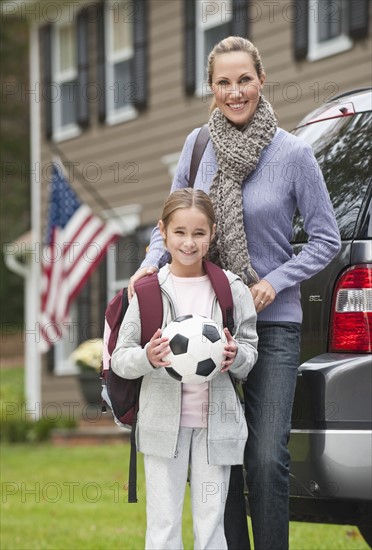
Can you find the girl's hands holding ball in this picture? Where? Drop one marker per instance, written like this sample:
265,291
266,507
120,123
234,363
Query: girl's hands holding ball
157,349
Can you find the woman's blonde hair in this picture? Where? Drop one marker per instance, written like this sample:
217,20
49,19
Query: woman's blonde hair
233,44
188,198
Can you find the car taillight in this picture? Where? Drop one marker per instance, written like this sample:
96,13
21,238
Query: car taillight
351,315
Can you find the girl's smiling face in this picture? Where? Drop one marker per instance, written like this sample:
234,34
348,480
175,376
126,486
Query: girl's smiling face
236,86
187,238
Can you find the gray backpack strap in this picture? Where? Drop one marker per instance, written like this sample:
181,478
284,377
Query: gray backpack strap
197,153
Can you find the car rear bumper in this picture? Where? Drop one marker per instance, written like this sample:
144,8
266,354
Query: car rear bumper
331,436
331,464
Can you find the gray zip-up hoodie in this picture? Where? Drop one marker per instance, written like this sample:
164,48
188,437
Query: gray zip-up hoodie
159,414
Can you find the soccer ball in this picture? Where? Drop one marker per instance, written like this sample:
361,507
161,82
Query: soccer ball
197,345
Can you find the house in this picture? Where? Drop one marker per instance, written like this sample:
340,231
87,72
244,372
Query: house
116,86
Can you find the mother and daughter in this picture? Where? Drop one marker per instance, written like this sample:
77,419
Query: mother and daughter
261,175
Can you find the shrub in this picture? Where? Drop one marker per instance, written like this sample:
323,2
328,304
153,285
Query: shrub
15,425
22,430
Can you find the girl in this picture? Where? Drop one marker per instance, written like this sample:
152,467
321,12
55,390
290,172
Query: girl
180,425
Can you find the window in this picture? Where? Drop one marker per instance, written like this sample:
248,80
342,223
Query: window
125,257
213,23
343,148
122,259
65,73
65,84
120,89
205,24
328,28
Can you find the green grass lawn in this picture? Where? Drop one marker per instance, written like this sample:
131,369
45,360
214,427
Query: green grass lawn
73,497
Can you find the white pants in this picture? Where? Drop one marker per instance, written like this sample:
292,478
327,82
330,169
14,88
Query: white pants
165,490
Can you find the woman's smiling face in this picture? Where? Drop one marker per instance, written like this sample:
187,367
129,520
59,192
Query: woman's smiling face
236,86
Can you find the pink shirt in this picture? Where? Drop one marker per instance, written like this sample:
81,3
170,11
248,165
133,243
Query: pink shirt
194,295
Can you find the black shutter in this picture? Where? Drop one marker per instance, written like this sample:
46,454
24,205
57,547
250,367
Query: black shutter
301,29
189,46
45,39
102,294
358,17
239,22
101,62
82,106
140,76
84,313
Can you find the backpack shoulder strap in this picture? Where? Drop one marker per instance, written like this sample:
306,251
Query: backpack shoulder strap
197,152
114,315
221,286
150,305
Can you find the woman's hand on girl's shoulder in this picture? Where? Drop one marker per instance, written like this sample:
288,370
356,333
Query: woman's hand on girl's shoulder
138,275
230,351
263,294
157,349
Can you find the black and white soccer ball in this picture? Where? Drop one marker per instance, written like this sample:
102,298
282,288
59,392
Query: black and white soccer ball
197,348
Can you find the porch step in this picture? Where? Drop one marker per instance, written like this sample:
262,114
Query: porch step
102,431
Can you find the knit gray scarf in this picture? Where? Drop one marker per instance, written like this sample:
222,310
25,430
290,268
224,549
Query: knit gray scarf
238,153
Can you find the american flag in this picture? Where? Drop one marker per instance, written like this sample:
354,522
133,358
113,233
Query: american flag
76,242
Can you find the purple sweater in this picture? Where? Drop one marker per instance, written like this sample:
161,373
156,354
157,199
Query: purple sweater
287,176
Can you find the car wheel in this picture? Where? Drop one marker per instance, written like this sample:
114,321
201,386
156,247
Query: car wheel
365,524
366,532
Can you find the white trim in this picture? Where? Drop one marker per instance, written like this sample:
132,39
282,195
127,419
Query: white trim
66,132
67,74
128,112
121,55
331,47
320,50
14,265
63,365
333,432
121,115
200,76
171,162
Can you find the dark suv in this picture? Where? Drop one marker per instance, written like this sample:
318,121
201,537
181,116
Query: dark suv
331,438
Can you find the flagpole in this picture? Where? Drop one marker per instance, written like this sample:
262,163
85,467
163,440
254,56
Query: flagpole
32,353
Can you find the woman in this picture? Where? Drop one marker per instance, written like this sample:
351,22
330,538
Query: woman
257,175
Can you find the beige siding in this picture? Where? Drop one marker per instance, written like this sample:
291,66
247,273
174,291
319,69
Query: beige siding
139,145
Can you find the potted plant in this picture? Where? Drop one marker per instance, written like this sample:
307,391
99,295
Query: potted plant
88,358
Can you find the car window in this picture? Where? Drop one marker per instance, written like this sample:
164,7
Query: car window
343,148
365,231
